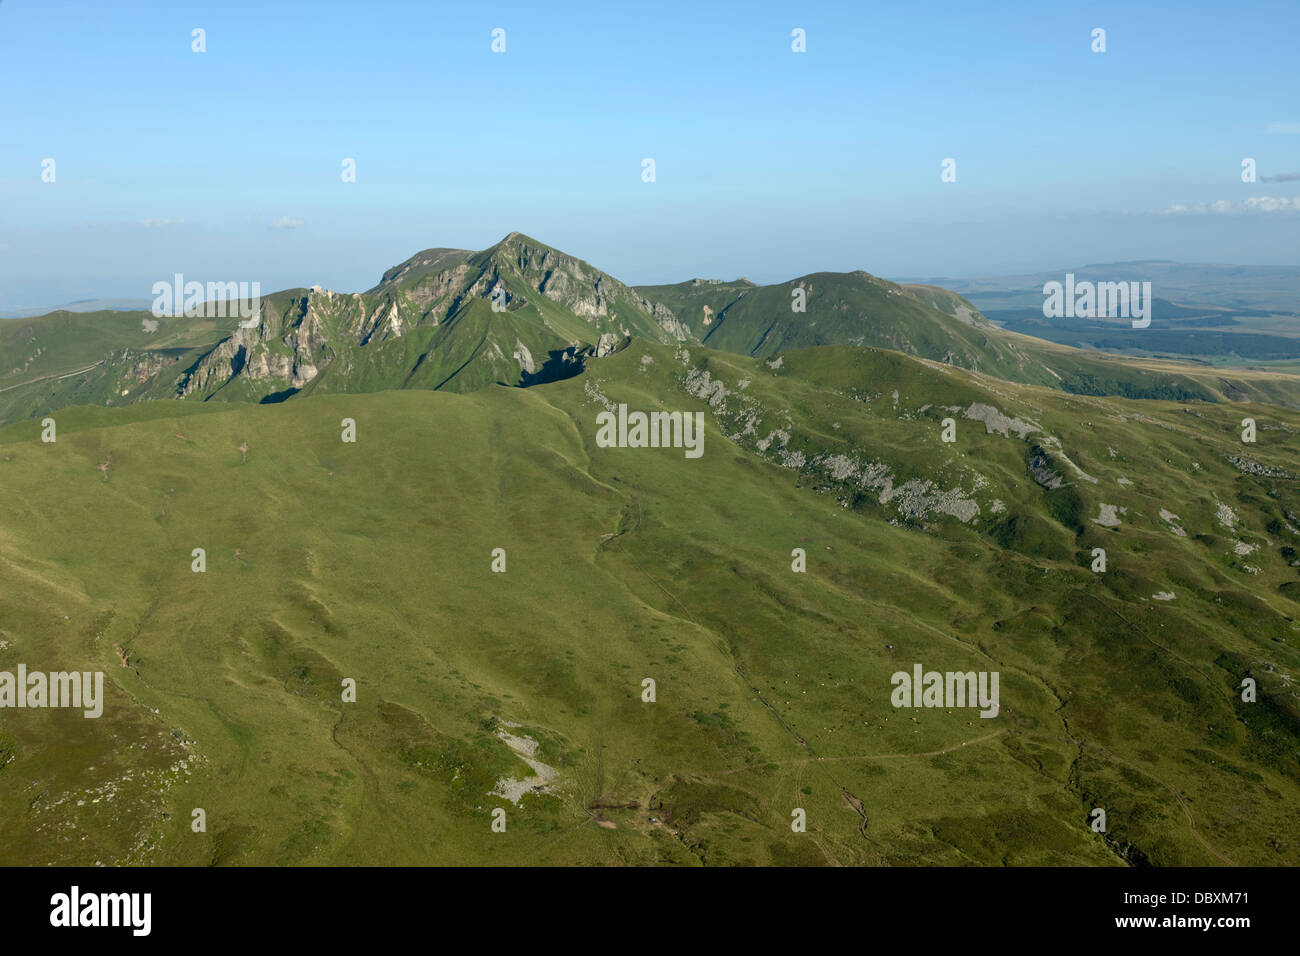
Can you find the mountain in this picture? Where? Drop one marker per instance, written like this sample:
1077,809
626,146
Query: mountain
519,312
500,584
938,324
523,313
856,308
430,322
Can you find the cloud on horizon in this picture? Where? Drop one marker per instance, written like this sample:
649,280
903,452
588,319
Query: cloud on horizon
1223,207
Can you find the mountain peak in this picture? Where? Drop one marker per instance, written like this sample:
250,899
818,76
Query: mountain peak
516,238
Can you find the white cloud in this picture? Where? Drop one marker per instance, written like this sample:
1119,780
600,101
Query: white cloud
158,223
285,222
1221,207
1269,204
1284,128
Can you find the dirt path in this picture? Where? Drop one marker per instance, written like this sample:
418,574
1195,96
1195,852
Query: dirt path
929,753
58,375
1187,811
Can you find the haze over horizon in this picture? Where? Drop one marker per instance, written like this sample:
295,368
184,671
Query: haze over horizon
768,163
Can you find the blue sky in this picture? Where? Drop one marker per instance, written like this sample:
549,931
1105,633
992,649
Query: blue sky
225,165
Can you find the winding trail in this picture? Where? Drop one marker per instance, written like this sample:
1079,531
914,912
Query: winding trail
1145,772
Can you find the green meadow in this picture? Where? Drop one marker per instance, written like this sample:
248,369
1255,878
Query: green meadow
328,561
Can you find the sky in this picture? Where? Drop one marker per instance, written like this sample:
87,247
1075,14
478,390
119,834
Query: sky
227,164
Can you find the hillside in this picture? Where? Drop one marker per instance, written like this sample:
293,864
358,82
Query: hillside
431,322
846,309
373,561
523,313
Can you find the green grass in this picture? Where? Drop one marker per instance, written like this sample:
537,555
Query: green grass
372,561
430,324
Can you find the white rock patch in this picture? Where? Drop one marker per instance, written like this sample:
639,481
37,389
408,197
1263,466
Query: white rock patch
526,749
997,423
1109,516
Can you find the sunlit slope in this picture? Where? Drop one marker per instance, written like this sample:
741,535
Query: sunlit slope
1144,661
518,312
523,313
328,560
372,561
859,309
100,358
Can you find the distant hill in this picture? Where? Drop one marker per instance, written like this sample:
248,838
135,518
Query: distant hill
931,322
854,308
1272,289
81,305
523,313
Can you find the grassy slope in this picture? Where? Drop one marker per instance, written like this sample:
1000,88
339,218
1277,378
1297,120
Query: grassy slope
371,561
428,324
860,309
68,358
688,300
